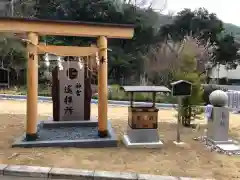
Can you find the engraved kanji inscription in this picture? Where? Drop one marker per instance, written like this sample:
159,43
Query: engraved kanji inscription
72,73
222,122
68,110
68,100
78,89
31,56
68,89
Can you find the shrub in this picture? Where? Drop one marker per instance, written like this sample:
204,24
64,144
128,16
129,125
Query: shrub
187,71
188,113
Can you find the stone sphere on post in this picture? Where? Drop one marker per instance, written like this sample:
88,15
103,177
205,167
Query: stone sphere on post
218,98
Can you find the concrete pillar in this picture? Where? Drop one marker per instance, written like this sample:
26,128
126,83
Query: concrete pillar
102,87
32,88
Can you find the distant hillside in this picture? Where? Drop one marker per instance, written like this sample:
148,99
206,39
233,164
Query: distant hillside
231,28
235,30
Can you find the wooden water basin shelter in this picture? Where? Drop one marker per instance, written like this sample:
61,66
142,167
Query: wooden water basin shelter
143,116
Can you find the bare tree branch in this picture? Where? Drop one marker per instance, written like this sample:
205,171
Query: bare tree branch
164,59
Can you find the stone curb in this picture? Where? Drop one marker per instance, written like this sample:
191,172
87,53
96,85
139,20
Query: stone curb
77,174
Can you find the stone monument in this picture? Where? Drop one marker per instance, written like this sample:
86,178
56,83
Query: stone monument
71,92
218,122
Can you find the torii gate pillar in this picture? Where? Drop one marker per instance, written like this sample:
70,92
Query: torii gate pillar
102,87
32,87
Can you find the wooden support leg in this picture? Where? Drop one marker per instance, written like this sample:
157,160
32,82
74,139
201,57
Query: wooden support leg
32,88
102,87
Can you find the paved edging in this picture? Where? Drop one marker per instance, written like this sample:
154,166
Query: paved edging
93,101
80,174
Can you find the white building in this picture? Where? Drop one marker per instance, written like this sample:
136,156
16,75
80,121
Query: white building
232,75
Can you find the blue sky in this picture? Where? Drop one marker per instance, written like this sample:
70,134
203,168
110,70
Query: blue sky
227,10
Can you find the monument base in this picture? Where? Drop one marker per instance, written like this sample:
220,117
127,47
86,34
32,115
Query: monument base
129,144
142,138
229,146
219,142
80,134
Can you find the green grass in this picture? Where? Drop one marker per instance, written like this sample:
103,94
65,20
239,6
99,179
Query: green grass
114,94
42,91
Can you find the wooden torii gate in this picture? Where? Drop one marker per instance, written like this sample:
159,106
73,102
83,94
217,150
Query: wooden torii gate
35,28
91,53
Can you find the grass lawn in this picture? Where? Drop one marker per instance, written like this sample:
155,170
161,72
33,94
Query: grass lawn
190,160
114,94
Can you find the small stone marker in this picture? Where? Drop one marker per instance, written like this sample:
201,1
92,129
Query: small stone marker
218,123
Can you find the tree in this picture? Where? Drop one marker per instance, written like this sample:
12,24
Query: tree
226,51
208,29
127,52
120,64
18,62
11,48
163,59
187,71
199,23
17,8
24,8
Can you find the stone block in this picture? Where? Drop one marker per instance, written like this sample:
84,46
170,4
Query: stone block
152,145
87,142
67,173
143,135
27,171
21,178
188,178
2,168
155,177
106,175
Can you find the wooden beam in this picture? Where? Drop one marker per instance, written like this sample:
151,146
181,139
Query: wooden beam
67,50
65,28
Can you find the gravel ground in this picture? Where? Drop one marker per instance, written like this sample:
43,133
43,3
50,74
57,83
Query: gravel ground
191,160
68,133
